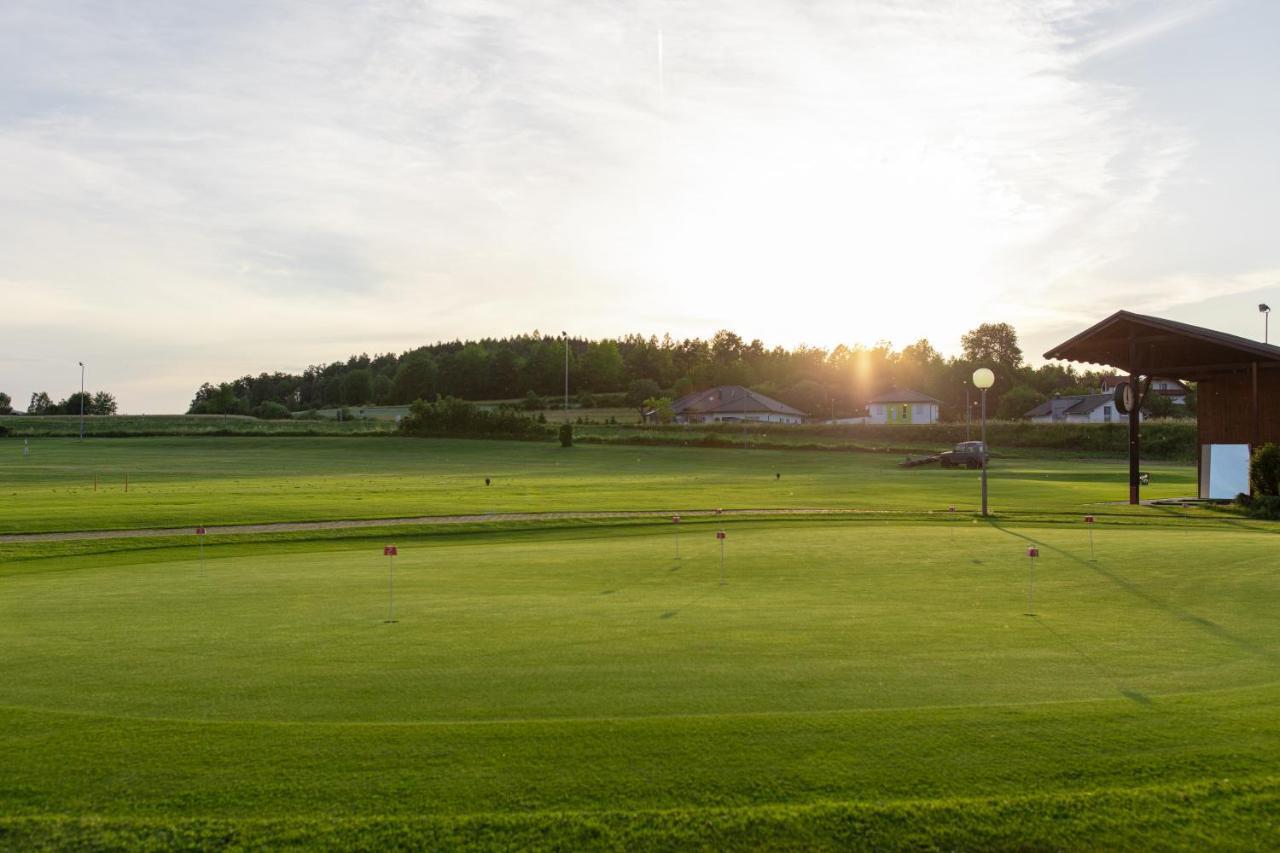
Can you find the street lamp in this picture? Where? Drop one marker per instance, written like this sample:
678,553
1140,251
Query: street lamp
81,363
1266,322
983,379
565,337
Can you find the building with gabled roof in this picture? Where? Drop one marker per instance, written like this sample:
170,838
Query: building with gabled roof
1077,409
730,404
902,406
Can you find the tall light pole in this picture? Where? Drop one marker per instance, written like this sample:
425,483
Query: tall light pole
1266,322
81,363
565,337
983,379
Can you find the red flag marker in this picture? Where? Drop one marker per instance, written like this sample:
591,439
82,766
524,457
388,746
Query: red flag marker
1032,553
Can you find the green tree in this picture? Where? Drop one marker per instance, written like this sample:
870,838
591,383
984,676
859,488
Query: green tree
504,372
993,345
40,404
417,378
659,408
72,405
6,404
1157,406
270,410
357,387
382,389
1264,470
641,390
469,372
602,368
103,403
1017,401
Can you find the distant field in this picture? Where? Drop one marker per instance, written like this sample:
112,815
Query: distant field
853,684
159,425
182,482
553,414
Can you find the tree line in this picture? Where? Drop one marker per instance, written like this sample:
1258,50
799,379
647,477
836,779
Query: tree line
94,403
632,369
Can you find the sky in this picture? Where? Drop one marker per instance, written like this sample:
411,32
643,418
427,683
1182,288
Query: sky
193,191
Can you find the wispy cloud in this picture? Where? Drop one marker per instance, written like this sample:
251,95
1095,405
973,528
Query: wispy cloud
247,185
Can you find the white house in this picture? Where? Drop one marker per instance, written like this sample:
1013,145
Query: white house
731,404
902,407
1173,389
1078,409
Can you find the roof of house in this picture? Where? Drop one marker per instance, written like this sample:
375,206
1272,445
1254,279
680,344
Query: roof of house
1059,407
1110,381
730,399
1162,347
904,395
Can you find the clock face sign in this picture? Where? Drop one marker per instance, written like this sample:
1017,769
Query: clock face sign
1124,398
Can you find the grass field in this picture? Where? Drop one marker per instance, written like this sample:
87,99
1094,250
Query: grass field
179,482
867,682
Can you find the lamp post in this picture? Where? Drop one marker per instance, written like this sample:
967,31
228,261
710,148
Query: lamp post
81,363
565,337
1265,310
983,379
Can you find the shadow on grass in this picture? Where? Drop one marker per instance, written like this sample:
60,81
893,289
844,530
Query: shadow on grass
1127,692
1210,627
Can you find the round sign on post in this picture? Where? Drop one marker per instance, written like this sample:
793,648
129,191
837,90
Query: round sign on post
199,531
390,551
719,534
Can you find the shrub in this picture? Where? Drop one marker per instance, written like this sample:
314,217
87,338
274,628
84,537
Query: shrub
661,408
533,403
270,410
586,400
451,416
1264,470
566,435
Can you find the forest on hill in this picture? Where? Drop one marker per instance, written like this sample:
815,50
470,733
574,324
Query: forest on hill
631,369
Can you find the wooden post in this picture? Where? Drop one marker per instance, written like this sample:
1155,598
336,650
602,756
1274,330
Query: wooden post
1257,411
1134,410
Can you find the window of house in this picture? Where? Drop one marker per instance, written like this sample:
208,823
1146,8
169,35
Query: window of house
1106,413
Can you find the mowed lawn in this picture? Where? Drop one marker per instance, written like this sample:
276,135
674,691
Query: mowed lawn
851,683
182,482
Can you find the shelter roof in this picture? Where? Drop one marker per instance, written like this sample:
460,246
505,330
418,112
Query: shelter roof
1163,348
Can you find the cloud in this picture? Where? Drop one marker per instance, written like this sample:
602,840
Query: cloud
262,184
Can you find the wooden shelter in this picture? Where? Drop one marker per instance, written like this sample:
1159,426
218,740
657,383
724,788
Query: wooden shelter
1238,380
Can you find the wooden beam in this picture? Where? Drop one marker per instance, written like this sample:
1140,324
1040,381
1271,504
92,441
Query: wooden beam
1257,410
1133,423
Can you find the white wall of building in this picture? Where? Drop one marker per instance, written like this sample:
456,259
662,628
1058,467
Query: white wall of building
903,413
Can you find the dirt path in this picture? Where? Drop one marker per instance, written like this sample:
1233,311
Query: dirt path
302,526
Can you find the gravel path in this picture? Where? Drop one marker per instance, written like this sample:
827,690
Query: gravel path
300,526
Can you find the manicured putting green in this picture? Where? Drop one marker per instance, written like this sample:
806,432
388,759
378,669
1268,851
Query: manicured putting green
853,683
811,618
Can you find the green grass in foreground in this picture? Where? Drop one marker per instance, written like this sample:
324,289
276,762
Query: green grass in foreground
181,482
854,683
